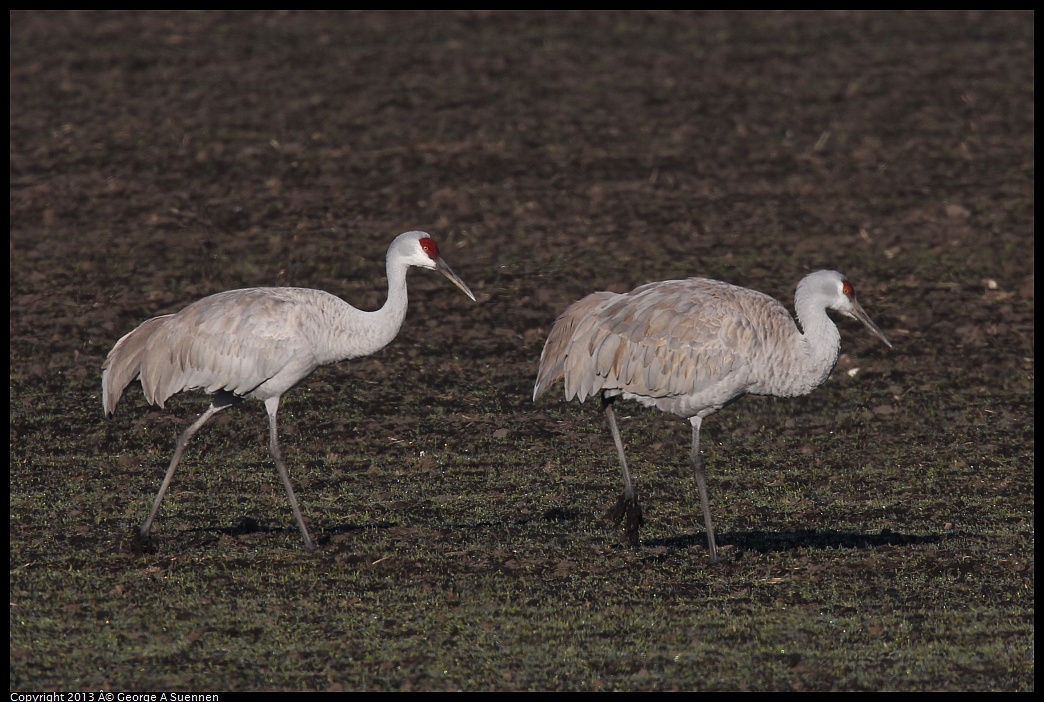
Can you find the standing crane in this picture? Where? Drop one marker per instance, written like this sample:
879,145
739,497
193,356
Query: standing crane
690,347
259,342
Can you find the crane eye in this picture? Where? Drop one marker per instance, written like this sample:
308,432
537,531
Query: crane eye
847,290
429,247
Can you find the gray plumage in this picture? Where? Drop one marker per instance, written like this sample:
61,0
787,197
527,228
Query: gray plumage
259,342
690,347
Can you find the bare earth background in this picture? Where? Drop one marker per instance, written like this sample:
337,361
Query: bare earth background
876,535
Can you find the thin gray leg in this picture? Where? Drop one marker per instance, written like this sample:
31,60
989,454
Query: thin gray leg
627,506
186,436
696,459
272,405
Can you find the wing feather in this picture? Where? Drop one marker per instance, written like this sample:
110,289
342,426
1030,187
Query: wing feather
123,363
559,343
235,341
670,338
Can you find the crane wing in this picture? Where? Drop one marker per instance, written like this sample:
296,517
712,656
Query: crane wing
235,341
123,364
664,339
553,357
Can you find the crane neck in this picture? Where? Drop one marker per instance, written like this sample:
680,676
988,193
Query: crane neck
395,306
820,341
387,321
353,332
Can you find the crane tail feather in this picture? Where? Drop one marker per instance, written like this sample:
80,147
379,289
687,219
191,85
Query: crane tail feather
568,329
123,364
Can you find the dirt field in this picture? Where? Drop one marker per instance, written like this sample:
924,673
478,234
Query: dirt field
875,535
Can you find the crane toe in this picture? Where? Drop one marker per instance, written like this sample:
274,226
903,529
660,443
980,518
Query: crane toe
629,511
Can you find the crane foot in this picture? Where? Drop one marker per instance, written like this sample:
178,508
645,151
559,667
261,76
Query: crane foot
629,511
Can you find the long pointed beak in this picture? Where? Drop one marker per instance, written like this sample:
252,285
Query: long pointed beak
444,268
862,316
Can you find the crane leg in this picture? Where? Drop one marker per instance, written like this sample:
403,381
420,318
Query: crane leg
272,405
627,506
696,459
219,404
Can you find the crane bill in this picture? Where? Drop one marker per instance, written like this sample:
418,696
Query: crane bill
443,268
862,316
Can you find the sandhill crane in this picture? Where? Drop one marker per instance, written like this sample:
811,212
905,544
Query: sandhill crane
690,347
259,342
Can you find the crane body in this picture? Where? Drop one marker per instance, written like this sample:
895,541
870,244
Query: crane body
689,348
259,343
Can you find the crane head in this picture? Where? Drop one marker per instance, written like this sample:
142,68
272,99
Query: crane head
419,249
847,304
833,291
